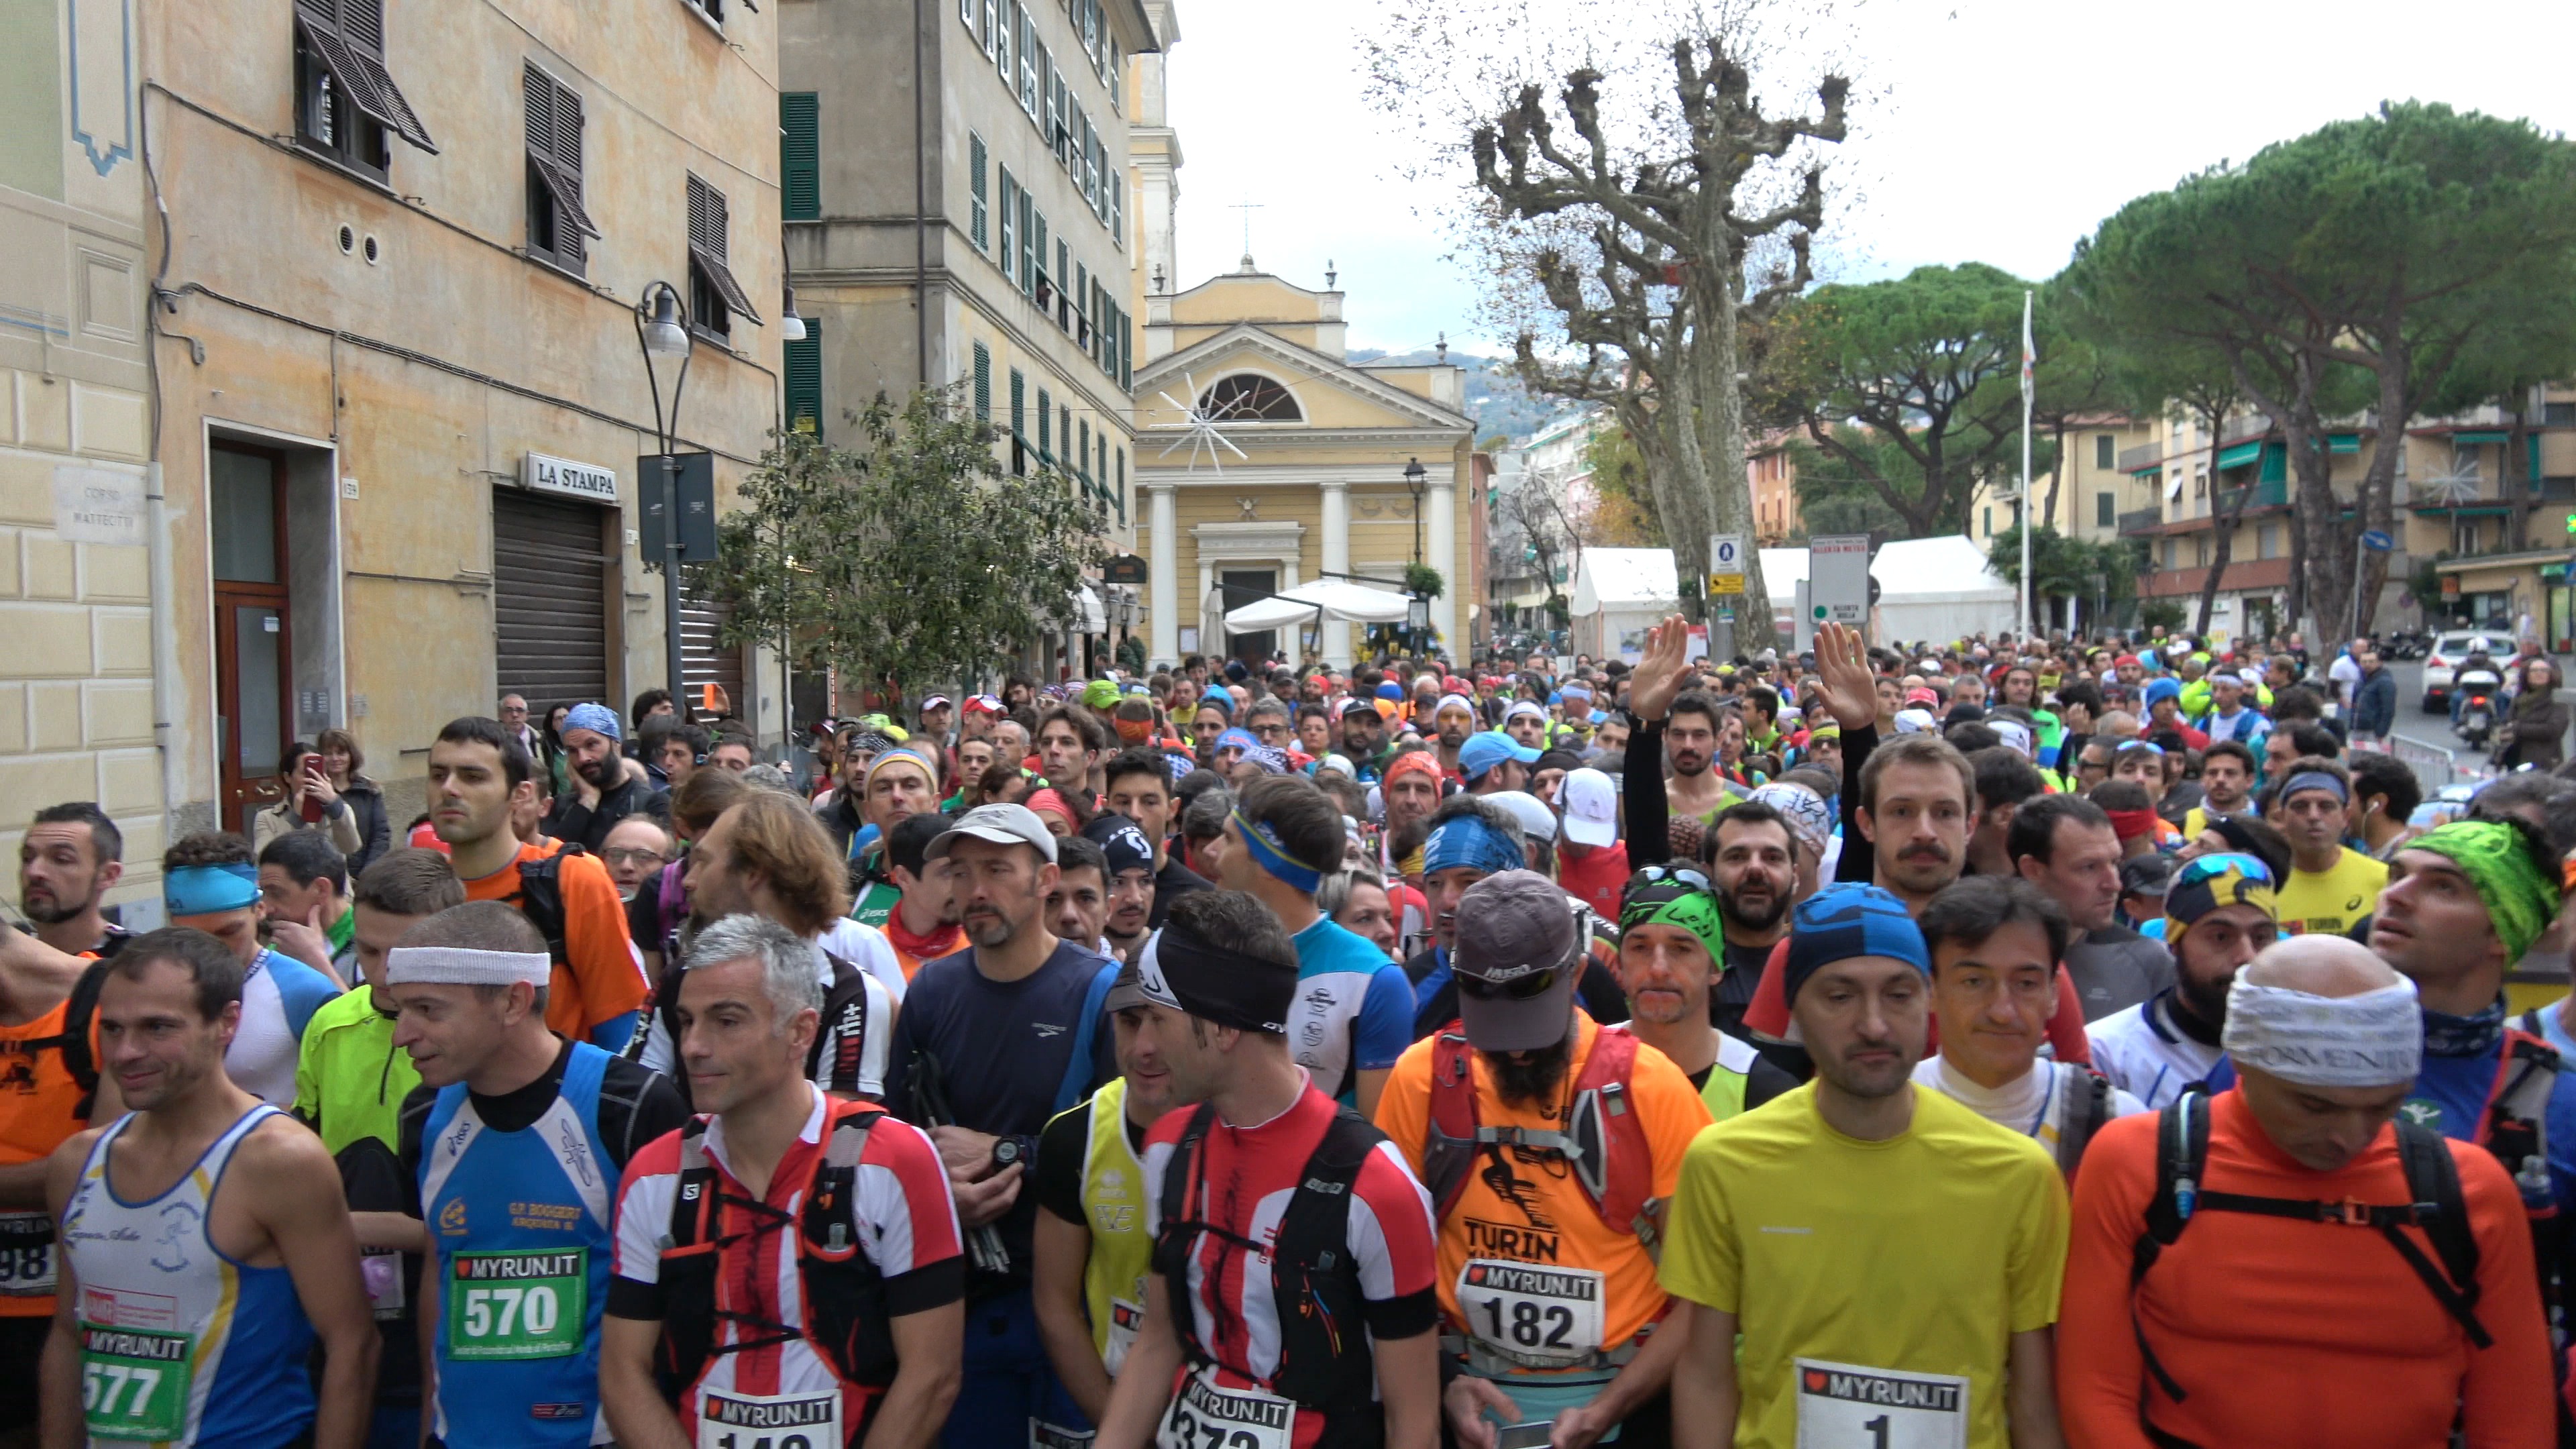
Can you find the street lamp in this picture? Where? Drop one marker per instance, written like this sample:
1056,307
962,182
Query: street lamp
662,330
1414,473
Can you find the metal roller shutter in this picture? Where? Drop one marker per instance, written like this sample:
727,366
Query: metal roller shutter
550,600
703,661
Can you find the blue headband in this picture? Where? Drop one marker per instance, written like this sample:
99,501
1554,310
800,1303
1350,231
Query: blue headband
1470,842
202,890
1237,739
597,718
1272,856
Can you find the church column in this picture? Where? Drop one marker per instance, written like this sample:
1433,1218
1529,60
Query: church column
1336,640
1164,543
1440,532
1214,648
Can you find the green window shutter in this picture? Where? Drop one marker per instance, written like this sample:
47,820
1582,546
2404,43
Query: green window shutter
978,227
1082,458
1046,430
1122,488
1126,354
800,156
983,384
1019,417
805,381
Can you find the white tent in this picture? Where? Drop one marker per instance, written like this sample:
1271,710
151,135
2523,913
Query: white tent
1619,593
1328,598
1937,589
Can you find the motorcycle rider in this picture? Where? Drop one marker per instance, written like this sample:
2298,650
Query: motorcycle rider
2461,679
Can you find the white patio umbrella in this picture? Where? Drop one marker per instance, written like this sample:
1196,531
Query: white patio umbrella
1320,599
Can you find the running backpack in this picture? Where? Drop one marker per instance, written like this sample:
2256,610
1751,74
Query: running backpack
2432,1180
2086,1111
844,1294
844,1021
541,899
73,1041
1324,1361
1602,1141
2517,1125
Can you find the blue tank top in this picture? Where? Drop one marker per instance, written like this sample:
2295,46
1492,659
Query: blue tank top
522,1224
180,1344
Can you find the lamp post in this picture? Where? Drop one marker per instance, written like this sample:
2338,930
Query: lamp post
1414,474
1417,615
662,330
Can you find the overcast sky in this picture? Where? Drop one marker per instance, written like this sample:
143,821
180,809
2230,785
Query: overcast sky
2000,130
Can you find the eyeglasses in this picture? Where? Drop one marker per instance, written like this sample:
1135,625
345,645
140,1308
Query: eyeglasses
1519,988
1681,874
633,855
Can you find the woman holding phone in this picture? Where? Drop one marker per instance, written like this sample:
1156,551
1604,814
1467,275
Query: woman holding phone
341,762
311,801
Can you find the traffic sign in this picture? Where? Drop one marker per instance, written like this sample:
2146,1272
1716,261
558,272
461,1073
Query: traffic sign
2377,542
1838,576
1726,583
1726,555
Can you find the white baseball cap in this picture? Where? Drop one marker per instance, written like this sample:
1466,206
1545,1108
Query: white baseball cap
1591,807
1536,820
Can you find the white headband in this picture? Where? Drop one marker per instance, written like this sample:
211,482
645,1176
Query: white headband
2375,1039
456,966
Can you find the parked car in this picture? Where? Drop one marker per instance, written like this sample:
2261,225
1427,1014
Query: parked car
2449,649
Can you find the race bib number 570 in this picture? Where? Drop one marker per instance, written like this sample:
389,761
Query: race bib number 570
1846,1406
517,1305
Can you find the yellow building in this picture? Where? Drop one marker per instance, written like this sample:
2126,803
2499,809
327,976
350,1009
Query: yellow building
401,393
77,598
1320,488
2091,489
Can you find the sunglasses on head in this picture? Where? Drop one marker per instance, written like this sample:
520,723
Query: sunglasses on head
1679,874
2209,867
1519,988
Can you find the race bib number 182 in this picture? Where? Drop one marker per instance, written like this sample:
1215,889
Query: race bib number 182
1846,1406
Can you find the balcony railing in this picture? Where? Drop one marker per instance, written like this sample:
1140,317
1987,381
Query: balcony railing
2132,459
2141,520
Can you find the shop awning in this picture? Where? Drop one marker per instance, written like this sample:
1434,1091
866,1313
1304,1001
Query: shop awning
1089,617
2481,437
2241,454
1323,598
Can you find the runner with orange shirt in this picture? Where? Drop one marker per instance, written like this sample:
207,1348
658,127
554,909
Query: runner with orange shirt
2378,1323
477,775
1547,1283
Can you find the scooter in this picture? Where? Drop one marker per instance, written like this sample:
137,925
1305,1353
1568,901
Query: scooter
2477,689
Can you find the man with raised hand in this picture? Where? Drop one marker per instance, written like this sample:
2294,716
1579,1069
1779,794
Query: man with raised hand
514,1143
604,792
1948,1347
2395,1303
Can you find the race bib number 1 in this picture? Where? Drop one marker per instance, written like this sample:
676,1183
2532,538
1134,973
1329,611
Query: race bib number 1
1204,1416
134,1384
517,1305
1846,1406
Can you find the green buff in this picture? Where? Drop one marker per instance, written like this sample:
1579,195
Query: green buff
1670,903
2520,900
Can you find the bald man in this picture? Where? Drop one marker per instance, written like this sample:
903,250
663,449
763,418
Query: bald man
2305,1175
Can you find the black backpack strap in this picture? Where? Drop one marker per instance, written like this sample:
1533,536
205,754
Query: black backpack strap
79,1010
1324,1358
541,899
2182,1159
691,1203
845,1013
2442,1211
1178,1233
2087,1108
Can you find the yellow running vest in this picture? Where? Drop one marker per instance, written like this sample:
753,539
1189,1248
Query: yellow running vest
1113,1198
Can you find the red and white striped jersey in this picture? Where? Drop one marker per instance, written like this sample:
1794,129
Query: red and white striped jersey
1248,1176
901,1215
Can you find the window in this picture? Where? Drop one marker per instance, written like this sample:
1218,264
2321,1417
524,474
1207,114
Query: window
1990,522
800,156
2200,483
2267,541
1118,210
1046,430
556,221
1090,158
966,13
1051,125
714,295
2105,452
712,9
1032,65
1117,79
2200,551
1090,11
2173,552
346,102
2106,511
1008,253
805,381
992,26
1019,414
2558,415
978,225
1250,397
1032,245
1062,306
983,384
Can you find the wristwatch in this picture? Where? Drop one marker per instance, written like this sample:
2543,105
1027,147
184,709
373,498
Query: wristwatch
1006,1151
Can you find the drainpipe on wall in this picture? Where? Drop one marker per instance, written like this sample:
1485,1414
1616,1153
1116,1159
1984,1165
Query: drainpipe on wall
165,642
920,203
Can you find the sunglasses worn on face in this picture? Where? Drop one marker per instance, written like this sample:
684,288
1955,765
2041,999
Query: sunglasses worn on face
1519,988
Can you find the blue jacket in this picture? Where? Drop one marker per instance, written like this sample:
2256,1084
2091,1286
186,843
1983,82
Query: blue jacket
2374,703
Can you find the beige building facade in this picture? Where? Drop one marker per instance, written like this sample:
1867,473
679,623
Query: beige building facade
78,711
1320,488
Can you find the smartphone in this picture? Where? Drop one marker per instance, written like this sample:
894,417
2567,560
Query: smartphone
1523,1436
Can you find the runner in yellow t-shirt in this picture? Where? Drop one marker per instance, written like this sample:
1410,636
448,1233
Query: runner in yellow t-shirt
1546,1280
2332,888
1891,1258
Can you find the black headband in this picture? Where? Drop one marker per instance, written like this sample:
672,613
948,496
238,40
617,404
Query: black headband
1178,970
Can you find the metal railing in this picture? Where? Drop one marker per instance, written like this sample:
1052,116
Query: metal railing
2139,520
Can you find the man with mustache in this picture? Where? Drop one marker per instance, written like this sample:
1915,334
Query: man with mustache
1946,1347
68,860
603,791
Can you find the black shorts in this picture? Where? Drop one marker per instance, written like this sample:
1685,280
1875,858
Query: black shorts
22,1354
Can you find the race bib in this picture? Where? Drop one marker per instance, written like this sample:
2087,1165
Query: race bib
1124,1319
776,1421
134,1383
518,1305
1204,1416
26,1255
1043,1435
1538,1315
382,1272
1845,1406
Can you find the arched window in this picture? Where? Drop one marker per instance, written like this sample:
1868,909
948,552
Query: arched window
1250,397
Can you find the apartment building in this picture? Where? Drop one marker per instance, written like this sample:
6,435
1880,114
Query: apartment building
958,217
2090,489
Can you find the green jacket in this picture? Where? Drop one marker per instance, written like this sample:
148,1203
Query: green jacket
350,1078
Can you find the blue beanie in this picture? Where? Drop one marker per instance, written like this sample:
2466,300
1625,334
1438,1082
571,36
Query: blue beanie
1843,921
597,718
1216,695
2163,686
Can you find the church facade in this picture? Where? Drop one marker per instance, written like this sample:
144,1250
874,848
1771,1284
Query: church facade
1309,478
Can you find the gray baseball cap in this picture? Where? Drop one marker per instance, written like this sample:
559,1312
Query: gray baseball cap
1000,824
1516,959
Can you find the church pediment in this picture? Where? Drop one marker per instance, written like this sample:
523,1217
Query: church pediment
1326,394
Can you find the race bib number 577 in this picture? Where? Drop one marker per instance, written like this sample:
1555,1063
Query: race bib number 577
1846,1406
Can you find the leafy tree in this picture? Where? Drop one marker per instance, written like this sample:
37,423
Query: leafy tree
1928,365
913,558
1623,507
2432,251
1835,497
2066,568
